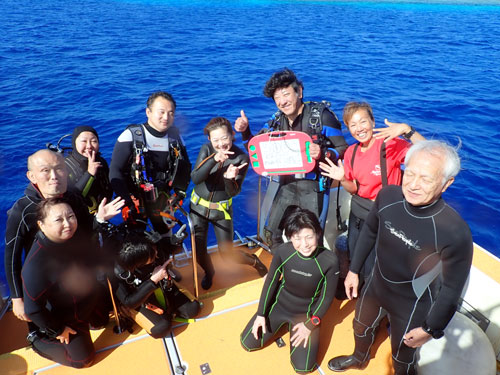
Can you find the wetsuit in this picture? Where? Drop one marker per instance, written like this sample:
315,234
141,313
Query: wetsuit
92,188
296,289
60,289
366,171
211,186
158,162
414,246
21,229
302,190
135,290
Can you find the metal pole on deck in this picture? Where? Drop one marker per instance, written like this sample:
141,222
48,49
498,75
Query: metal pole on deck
193,250
258,206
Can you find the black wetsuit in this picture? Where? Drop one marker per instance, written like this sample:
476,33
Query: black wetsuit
92,188
423,259
21,229
302,190
61,289
211,186
296,289
158,163
135,290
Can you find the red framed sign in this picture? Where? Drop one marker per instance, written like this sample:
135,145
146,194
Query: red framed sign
281,153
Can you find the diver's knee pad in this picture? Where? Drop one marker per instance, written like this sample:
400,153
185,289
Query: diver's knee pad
161,329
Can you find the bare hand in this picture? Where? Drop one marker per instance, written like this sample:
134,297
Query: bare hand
93,164
302,333
259,322
241,123
315,151
160,272
351,285
222,155
329,169
109,210
416,337
393,130
233,170
18,309
64,336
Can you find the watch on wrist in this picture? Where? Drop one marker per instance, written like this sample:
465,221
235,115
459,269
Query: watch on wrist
315,320
435,333
409,134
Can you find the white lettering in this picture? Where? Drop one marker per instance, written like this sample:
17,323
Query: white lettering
402,236
302,273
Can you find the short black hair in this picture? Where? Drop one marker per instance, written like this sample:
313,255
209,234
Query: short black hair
298,218
135,252
162,94
282,79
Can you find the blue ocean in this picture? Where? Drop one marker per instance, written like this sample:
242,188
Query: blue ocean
433,65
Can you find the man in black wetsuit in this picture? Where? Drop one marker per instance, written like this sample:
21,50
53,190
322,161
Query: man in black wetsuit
315,119
48,176
150,165
423,258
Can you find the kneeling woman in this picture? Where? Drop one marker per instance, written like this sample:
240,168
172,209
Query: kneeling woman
61,292
298,291
218,175
141,277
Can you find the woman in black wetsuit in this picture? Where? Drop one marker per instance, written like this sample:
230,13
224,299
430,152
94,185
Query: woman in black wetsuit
61,293
218,175
87,170
298,291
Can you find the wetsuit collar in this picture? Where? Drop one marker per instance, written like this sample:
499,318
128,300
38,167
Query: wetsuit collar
427,210
155,132
33,192
38,192
44,240
310,256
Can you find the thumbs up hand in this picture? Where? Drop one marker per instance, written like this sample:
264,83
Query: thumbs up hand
241,123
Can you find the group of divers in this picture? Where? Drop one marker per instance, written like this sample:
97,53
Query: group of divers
409,252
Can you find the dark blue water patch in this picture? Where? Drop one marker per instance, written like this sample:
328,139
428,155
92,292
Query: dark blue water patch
67,63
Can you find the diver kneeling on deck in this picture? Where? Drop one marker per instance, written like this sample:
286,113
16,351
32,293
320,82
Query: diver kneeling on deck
423,258
142,284
218,175
62,295
298,291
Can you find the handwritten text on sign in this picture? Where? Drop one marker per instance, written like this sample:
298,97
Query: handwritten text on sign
279,154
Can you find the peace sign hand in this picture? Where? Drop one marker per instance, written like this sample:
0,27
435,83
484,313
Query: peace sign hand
222,155
93,164
233,170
